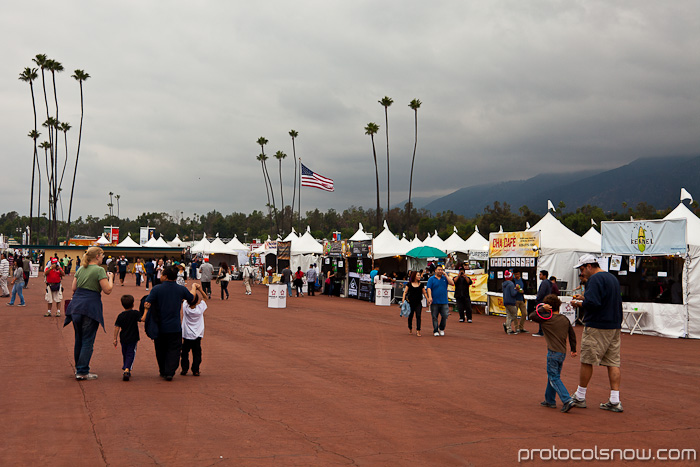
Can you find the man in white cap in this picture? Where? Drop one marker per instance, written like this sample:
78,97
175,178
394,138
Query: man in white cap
600,341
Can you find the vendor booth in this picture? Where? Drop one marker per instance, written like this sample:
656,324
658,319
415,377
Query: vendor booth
334,261
560,249
511,250
652,262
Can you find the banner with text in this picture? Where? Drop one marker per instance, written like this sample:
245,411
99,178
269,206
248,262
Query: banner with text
653,238
514,244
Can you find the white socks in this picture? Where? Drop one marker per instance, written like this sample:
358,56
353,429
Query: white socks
581,393
614,397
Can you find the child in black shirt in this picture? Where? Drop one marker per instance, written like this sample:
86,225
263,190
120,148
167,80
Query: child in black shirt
127,328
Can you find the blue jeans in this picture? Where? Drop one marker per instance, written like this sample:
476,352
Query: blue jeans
442,310
555,361
289,289
17,290
85,331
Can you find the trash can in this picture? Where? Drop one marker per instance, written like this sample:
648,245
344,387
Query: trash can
277,296
383,292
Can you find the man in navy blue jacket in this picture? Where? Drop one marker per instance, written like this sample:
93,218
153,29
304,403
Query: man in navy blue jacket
600,341
544,290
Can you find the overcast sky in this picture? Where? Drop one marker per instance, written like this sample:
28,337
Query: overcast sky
180,92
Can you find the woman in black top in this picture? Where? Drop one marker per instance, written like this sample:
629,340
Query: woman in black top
415,291
464,303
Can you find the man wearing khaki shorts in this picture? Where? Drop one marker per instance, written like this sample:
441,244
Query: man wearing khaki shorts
600,341
54,290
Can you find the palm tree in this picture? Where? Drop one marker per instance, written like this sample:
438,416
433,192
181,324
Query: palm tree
117,197
262,141
261,158
35,135
279,155
371,129
64,127
294,134
386,102
80,76
28,75
415,105
111,204
46,146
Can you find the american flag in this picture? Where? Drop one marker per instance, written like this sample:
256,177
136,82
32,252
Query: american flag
314,180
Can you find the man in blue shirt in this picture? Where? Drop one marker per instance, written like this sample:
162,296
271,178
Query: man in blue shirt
437,299
150,272
600,340
166,298
373,273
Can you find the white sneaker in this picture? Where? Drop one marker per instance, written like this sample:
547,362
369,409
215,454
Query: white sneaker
442,333
436,334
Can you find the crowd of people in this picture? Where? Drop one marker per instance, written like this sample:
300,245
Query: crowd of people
597,300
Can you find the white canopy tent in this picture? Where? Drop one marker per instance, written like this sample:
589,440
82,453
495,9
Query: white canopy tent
416,242
305,251
151,243
592,236
201,245
161,243
386,244
360,235
236,245
404,241
102,240
477,246
435,241
128,243
177,243
560,249
691,276
454,243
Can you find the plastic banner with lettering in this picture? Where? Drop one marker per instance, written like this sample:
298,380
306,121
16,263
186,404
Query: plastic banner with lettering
514,244
651,238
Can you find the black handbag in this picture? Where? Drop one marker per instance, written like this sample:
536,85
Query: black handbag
55,286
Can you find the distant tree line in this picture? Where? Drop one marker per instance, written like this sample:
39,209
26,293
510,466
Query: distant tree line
323,224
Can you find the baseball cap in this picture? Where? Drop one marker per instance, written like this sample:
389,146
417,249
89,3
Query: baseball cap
54,260
507,275
586,259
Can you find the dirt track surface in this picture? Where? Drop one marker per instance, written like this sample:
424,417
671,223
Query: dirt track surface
326,381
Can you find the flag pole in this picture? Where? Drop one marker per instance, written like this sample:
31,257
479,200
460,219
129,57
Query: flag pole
299,181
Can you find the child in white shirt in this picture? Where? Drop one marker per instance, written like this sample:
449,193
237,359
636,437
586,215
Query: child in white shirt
192,332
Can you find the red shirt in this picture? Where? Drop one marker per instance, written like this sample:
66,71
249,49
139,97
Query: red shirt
53,275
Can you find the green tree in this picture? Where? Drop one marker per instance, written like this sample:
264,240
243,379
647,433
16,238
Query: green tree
371,129
415,105
386,102
80,76
261,158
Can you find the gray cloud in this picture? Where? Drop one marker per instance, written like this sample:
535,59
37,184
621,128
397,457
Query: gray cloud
179,95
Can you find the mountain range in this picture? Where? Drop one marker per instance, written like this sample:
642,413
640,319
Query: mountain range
654,180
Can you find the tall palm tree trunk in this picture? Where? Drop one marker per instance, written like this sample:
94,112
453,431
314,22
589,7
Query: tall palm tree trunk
75,169
410,183
376,172
388,169
34,164
272,193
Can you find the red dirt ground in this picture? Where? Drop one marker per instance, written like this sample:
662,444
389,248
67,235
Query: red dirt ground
326,381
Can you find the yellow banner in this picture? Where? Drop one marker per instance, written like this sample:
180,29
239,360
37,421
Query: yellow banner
514,244
477,291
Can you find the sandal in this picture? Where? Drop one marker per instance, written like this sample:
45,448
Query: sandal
417,333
